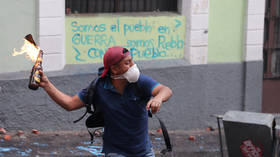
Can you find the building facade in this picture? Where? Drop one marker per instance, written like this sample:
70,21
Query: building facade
209,52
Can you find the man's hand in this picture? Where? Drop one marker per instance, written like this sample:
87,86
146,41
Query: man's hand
154,104
44,80
161,94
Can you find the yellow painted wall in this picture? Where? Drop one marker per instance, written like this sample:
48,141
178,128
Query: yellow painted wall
226,31
147,38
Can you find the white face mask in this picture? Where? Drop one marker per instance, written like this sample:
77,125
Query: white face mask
132,74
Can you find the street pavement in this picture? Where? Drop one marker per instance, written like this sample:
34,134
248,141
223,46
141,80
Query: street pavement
194,143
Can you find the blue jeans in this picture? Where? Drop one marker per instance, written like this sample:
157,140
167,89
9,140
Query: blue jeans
149,154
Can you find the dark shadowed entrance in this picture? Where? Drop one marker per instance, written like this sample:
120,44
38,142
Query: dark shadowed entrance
271,56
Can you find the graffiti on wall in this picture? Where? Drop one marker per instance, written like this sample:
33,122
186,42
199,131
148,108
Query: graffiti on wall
158,37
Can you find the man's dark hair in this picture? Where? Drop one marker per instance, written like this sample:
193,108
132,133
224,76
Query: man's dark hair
125,50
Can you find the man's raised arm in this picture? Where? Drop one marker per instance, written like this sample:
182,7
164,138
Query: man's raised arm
65,101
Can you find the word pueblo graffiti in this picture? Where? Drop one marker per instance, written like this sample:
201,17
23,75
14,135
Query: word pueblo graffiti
158,37
138,27
96,53
170,44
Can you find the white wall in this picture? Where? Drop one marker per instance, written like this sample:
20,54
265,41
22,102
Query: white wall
196,12
52,33
255,30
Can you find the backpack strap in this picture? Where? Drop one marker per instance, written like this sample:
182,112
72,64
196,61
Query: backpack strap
96,118
164,133
90,95
163,128
75,121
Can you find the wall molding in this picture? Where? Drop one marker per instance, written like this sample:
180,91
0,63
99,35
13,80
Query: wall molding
197,15
51,34
254,30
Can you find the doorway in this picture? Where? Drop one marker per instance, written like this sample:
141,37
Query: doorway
271,58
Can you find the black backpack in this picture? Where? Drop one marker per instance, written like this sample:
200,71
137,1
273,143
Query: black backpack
96,119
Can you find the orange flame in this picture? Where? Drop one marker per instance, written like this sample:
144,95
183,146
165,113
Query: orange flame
31,51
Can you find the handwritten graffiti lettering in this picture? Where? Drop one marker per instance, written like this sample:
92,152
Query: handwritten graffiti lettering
87,28
139,27
179,23
95,53
163,29
147,53
147,38
115,27
78,55
171,43
140,43
90,39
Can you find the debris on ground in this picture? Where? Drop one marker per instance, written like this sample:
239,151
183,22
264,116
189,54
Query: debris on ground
159,130
7,137
3,131
34,131
191,138
210,129
77,143
98,132
20,133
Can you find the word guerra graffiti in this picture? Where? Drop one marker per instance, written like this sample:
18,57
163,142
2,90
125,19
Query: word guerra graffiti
102,40
93,39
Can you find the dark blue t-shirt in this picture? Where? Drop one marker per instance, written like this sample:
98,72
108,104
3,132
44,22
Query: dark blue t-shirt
125,115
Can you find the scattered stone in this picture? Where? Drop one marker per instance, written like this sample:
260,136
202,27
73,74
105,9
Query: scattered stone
3,131
34,131
22,137
7,137
210,129
98,133
20,133
191,138
54,153
152,133
159,130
